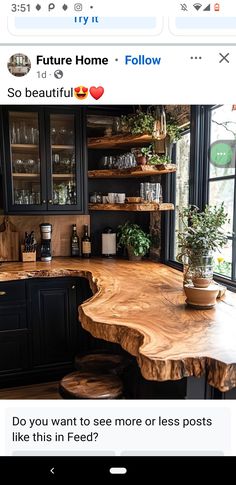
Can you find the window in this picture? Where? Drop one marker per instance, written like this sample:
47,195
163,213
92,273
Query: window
222,180
178,194
182,160
206,174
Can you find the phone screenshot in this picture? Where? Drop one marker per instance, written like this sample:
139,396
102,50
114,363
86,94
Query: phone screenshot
117,237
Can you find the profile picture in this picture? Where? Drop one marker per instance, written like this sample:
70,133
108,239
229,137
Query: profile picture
19,65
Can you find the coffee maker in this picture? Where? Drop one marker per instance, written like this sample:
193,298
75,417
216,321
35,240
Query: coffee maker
46,235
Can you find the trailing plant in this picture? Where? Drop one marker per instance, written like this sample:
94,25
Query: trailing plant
139,123
173,131
143,122
132,236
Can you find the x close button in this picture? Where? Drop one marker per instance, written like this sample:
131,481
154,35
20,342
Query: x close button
224,58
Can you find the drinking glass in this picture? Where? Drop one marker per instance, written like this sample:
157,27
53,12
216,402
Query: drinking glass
53,136
13,133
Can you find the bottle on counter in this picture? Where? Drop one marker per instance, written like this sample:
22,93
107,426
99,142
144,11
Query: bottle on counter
108,242
75,246
86,243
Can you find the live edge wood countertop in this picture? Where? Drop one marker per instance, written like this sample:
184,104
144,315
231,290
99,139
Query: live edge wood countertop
142,307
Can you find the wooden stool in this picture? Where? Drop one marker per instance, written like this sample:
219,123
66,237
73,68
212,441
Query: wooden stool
86,385
101,363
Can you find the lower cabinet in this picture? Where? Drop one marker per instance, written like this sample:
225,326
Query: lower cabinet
39,328
53,318
14,330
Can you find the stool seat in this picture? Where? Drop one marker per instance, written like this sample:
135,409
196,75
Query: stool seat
101,363
87,385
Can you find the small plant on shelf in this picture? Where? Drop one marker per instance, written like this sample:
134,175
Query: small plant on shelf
160,162
132,237
143,155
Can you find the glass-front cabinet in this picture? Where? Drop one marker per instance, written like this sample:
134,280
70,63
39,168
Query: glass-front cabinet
63,167
43,161
25,158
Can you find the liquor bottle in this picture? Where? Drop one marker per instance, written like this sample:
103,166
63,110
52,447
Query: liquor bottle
86,243
75,250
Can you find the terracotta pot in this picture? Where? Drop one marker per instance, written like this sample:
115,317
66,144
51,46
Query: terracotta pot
201,282
141,160
132,256
201,298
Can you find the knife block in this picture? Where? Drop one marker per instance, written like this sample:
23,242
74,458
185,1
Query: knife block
28,257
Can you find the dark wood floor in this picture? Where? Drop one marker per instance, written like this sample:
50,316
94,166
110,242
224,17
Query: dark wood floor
47,390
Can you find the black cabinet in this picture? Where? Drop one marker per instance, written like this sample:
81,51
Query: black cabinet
39,328
44,155
53,320
14,331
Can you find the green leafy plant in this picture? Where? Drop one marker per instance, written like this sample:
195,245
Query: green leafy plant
146,151
173,131
139,123
133,237
143,122
158,160
203,231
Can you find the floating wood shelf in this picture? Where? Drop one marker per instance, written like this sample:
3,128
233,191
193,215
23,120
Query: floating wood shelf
128,173
22,147
149,207
118,141
63,147
64,176
26,176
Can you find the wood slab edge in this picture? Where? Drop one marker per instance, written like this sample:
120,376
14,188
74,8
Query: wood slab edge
219,374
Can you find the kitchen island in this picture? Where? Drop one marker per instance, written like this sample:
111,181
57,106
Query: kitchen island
141,306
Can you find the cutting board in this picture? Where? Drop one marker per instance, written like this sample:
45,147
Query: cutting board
9,241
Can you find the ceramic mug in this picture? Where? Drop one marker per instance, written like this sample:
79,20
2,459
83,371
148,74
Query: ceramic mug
120,198
111,198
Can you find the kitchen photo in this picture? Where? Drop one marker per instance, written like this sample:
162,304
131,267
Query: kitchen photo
118,252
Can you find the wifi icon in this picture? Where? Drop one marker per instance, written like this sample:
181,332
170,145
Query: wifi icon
197,6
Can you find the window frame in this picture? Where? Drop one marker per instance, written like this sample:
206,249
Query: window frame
199,176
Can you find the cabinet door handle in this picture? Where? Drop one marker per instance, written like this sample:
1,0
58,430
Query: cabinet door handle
73,287
43,201
3,293
50,201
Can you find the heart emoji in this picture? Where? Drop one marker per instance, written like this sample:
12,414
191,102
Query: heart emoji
96,93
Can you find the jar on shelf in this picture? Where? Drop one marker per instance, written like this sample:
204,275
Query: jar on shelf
95,198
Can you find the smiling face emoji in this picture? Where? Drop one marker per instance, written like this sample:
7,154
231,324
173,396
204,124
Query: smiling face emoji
81,93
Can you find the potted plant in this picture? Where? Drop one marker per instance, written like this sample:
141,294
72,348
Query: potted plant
160,162
134,239
143,155
202,235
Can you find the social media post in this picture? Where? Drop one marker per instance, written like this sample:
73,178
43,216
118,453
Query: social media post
118,430
117,75
117,248
121,23
88,312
